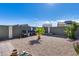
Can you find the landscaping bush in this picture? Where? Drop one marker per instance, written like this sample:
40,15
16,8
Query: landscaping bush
70,30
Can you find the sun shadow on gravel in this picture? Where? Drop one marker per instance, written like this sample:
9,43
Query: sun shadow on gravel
32,42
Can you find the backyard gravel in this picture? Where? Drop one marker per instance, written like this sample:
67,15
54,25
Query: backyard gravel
47,46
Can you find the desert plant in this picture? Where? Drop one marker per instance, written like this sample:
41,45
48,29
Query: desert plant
70,30
39,32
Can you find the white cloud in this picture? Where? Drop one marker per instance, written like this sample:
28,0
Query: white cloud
60,20
53,22
76,20
46,22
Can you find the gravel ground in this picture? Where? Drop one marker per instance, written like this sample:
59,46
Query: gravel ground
48,46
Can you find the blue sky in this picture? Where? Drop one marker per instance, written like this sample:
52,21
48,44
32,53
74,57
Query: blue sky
36,14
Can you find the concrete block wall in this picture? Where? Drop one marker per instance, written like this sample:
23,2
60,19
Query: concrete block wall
59,31
55,31
17,30
4,32
13,31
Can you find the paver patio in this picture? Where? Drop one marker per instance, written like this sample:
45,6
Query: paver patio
48,46
5,49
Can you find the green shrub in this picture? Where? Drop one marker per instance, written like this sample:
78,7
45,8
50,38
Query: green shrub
70,30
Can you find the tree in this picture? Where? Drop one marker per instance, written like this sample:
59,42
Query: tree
71,29
39,31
